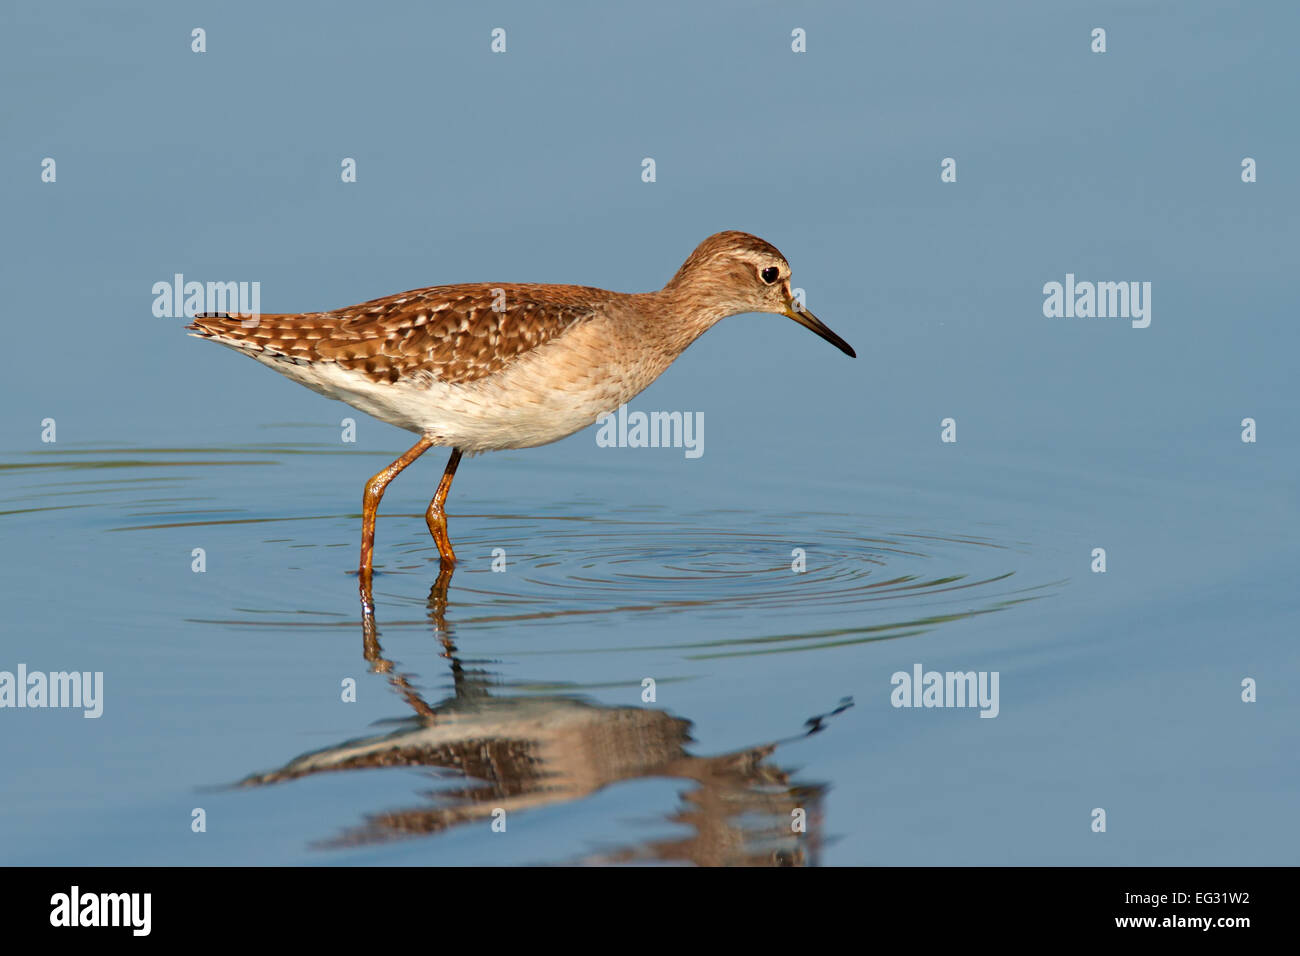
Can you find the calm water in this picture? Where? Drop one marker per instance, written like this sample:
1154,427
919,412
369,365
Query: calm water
523,689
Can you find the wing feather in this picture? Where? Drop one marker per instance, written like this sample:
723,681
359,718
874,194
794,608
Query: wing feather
456,334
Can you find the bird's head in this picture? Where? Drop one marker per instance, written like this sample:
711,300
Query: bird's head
733,272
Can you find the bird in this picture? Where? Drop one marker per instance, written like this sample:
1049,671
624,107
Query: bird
481,367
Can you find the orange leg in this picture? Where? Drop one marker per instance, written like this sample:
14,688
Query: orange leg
436,518
370,501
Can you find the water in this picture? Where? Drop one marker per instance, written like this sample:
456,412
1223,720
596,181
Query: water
524,689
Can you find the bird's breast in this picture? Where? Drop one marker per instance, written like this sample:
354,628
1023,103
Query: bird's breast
557,389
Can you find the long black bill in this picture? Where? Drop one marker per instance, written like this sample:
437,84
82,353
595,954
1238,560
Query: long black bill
810,321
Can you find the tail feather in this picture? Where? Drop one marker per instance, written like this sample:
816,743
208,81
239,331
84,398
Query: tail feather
271,334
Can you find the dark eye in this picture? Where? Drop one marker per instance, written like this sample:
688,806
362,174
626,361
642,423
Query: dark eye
770,274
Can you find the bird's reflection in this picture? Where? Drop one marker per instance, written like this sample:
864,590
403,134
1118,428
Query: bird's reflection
517,753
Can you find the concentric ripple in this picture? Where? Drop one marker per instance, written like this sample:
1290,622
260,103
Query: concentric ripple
867,582
751,582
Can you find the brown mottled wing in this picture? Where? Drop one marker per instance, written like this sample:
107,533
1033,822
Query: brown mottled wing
452,333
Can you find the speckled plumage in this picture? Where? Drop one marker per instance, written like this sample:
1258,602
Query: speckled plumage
452,333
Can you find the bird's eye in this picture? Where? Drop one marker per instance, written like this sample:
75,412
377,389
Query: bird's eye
770,274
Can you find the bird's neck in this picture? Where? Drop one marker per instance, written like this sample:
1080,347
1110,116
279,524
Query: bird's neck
684,312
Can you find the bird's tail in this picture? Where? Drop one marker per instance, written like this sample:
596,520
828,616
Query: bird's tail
274,334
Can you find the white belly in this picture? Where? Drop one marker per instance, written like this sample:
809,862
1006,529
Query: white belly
559,388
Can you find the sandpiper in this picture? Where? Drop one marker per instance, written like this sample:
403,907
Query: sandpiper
488,366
